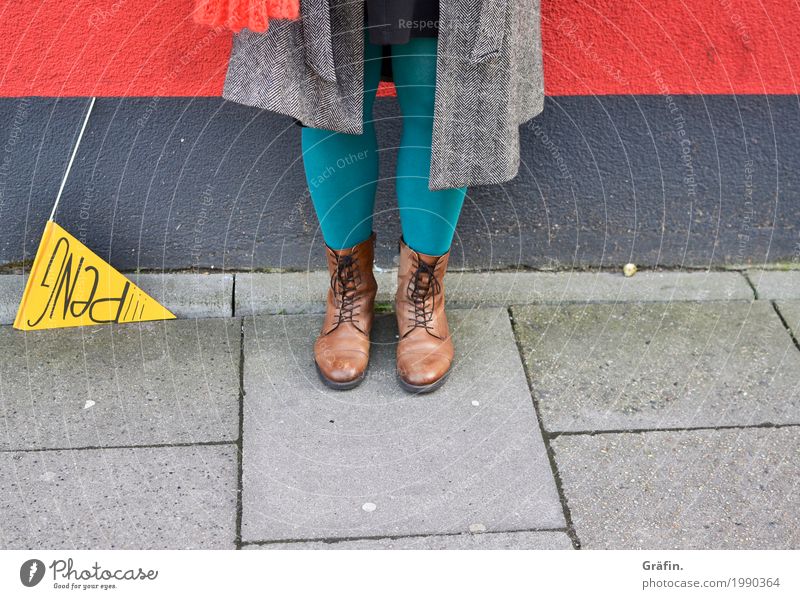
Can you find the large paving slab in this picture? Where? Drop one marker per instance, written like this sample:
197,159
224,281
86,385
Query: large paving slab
682,364
776,284
376,461
708,489
545,539
143,498
304,292
135,384
790,310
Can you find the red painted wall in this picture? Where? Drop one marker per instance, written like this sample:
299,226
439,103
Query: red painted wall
152,48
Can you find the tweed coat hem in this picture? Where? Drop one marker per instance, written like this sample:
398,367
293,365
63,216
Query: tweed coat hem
489,79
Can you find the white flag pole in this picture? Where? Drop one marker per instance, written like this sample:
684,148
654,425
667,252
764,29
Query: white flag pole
72,158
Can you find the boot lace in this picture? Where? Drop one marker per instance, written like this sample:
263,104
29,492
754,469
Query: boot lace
423,285
344,282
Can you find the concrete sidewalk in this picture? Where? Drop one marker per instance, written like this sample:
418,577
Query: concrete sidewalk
585,410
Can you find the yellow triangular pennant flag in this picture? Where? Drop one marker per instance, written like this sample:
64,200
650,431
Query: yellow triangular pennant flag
70,286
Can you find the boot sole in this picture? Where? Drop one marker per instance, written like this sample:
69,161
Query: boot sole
336,384
421,389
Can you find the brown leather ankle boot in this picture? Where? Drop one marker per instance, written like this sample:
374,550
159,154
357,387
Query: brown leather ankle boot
341,352
425,350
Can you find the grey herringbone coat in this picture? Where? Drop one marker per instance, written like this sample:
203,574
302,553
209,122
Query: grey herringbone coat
488,79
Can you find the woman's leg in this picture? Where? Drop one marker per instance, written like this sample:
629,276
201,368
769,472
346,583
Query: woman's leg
342,170
425,349
428,218
342,174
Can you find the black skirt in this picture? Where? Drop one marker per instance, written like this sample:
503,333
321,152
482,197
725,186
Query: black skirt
392,22
395,21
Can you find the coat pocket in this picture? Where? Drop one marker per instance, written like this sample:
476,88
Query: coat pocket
317,39
491,30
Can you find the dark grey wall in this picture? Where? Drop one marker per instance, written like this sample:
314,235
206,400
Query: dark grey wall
179,183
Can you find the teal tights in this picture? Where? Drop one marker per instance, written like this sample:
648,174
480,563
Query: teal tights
342,170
